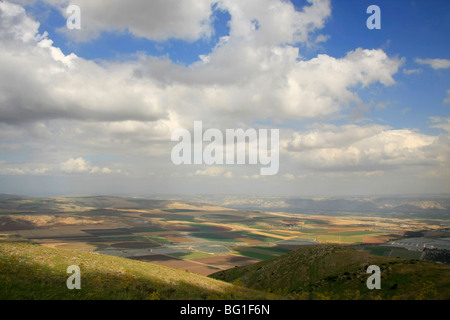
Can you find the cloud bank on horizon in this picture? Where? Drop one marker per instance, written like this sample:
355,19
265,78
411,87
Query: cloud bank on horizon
91,111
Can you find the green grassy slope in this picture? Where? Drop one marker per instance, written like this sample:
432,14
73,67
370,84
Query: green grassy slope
314,272
33,272
336,272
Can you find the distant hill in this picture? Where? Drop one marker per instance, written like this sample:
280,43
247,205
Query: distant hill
336,272
424,206
10,196
33,272
50,205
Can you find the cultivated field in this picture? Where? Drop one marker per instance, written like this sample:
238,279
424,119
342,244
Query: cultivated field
198,238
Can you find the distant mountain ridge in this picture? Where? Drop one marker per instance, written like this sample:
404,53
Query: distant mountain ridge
432,206
414,206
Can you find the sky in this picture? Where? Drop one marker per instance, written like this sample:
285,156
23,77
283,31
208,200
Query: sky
92,111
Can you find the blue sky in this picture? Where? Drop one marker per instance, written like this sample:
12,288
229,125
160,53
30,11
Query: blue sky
115,45
410,29
116,89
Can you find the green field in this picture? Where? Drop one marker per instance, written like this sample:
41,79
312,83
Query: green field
260,253
191,255
158,239
313,230
347,237
233,236
219,237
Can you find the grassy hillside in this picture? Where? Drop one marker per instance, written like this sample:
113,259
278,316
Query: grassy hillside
29,272
315,272
336,272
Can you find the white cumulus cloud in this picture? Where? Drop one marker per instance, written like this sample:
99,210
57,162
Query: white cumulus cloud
370,148
435,63
80,165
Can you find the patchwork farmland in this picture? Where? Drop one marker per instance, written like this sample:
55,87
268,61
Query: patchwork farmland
198,238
